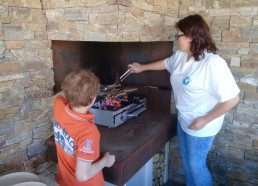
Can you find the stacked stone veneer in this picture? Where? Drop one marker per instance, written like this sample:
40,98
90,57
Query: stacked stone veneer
26,77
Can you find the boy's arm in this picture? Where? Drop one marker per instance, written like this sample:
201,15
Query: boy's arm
86,169
59,94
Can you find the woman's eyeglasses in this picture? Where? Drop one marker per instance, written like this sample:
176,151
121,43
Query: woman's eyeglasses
178,35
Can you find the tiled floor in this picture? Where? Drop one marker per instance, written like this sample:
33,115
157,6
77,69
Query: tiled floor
48,176
171,183
48,181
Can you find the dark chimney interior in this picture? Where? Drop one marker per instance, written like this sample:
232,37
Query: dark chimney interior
109,60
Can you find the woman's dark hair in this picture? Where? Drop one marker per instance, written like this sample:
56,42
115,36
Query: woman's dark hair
196,27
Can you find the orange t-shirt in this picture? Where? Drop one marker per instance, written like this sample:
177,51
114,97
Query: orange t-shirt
76,136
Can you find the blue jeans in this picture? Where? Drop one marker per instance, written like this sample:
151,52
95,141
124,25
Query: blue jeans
194,151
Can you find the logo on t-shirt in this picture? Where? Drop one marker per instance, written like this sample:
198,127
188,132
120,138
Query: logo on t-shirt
88,144
87,148
186,80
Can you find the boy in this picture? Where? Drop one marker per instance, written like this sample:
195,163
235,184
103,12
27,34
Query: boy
77,137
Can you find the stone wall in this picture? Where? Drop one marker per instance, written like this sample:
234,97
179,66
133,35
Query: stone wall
26,78
110,20
26,83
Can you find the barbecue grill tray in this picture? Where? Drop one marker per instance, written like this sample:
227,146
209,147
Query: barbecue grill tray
113,117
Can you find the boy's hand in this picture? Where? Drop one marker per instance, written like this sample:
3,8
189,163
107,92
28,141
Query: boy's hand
109,159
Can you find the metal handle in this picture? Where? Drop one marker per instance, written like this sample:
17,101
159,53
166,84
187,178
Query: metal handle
134,113
127,73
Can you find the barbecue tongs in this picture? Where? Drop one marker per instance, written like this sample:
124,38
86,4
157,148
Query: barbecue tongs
125,75
117,83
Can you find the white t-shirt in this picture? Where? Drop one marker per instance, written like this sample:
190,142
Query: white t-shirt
198,87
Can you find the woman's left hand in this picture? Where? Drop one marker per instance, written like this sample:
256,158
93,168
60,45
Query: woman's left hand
198,124
217,111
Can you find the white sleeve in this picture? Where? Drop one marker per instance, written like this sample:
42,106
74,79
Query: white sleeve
220,81
169,63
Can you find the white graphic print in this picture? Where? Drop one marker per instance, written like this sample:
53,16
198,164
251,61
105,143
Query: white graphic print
63,139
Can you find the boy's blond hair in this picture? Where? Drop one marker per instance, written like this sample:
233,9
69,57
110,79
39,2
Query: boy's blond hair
80,87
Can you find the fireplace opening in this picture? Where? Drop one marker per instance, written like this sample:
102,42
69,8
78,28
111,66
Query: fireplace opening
109,60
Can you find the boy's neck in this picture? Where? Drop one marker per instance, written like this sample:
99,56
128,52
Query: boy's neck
80,110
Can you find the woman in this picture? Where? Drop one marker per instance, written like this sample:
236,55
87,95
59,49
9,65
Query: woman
204,90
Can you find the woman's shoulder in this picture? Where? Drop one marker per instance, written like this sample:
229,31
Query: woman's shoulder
214,59
178,56
180,53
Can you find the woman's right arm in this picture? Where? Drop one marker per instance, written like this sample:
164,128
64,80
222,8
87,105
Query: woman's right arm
138,68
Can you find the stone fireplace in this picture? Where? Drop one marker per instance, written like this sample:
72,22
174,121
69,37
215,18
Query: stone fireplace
30,32
29,28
